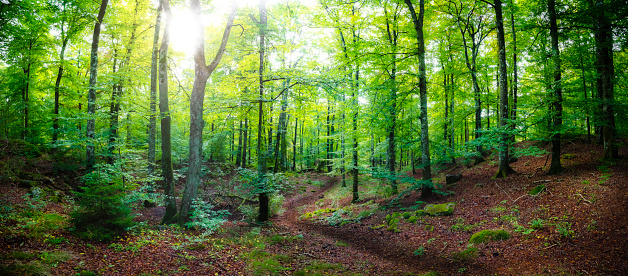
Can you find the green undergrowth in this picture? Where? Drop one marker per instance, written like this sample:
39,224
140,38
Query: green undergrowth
319,268
33,263
469,254
489,235
463,226
344,215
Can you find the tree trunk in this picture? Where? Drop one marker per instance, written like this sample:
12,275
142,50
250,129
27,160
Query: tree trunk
556,90
504,166
202,71
55,122
25,99
261,155
164,110
356,108
294,145
245,144
605,69
515,77
426,190
152,124
238,161
91,95
391,152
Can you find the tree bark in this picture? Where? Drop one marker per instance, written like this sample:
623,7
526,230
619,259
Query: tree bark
164,110
202,71
264,211
605,69
426,190
556,90
91,95
152,121
504,166
391,153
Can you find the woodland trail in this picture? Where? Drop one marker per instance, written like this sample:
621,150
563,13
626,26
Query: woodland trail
388,252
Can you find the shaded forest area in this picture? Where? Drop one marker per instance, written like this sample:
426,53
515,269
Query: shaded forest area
313,137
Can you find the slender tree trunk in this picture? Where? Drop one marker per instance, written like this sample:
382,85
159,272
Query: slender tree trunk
515,77
294,145
152,121
164,110
391,152
55,122
354,157
504,166
264,212
556,90
586,99
91,95
245,144
238,161
26,100
202,71
426,190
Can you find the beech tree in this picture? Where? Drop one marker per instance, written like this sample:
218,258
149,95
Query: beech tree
91,96
504,156
417,19
202,71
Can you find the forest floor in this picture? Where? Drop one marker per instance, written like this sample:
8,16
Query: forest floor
575,225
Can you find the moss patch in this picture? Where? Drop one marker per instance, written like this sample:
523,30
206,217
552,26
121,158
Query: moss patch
489,235
445,209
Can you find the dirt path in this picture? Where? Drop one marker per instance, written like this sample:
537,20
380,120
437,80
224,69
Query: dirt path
385,251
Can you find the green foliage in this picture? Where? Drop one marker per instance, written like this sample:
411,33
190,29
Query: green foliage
564,229
253,183
392,222
280,239
263,263
461,225
489,235
317,213
445,209
466,255
537,224
276,204
102,213
204,217
419,252
42,225
537,190
320,268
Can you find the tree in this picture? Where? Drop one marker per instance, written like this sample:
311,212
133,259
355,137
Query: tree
556,90
426,190
474,30
202,71
152,125
504,165
262,169
603,32
91,96
164,110
71,23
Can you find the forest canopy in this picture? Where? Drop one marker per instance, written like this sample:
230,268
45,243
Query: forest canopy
343,87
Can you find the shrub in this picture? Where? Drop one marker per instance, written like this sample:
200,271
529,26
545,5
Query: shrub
488,235
204,217
102,212
537,224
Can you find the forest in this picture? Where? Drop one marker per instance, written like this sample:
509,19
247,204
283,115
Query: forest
313,137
